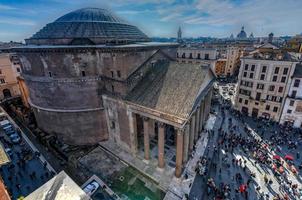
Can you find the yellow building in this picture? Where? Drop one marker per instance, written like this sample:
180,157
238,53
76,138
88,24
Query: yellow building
9,71
295,44
220,67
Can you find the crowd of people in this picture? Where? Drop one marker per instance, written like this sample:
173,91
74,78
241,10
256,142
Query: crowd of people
267,146
20,177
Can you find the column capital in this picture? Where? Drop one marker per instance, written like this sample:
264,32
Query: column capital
145,118
161,124
179,130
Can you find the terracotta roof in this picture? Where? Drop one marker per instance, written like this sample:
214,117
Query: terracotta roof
3,192
171,88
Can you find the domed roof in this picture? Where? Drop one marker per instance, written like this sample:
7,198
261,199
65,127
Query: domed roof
242,34
88,26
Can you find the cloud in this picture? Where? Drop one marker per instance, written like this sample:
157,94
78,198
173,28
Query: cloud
16,21
255,14
6,7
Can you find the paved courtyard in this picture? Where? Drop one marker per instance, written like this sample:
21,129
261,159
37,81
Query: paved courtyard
246,160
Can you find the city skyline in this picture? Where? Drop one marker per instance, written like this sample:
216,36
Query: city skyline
161,18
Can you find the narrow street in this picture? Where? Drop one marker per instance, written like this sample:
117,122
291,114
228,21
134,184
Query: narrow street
27,170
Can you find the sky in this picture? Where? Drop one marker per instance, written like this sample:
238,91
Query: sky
19,19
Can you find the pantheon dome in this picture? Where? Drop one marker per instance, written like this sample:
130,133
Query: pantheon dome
88,26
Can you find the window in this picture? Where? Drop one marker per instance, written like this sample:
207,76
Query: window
251,75
263,69
112,88
177,55
262,77
285,71
18,69
246,102
274,78
289,111
260,86
83,73
267,107
297,83
0,71
275,109
245,92
244,74
271,88
198,56
294,93
119,74
258,96
246,67
112,125
291,103
191,56
253,68
276,70
206,57
2,81
183,55
283,79
112,74
280,89
240,100
50,74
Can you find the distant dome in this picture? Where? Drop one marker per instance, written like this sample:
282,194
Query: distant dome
242,34
88,26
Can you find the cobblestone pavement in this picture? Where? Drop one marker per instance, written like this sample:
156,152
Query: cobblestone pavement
222,166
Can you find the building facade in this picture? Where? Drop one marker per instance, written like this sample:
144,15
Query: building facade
220,67
232,60
93,78
198,55
263,82
9,71
292,111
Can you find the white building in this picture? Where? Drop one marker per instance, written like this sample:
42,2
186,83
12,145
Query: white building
263,82
292,111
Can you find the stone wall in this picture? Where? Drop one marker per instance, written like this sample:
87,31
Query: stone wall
66,86
75,128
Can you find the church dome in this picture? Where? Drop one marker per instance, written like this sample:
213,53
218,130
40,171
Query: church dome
88,26
242,34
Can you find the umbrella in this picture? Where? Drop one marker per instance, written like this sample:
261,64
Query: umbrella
289,157
276,157
242,188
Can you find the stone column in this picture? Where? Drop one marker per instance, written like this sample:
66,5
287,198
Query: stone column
197,124
146,138
186,143
192,131
201,115
133,132
161,145
179,152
